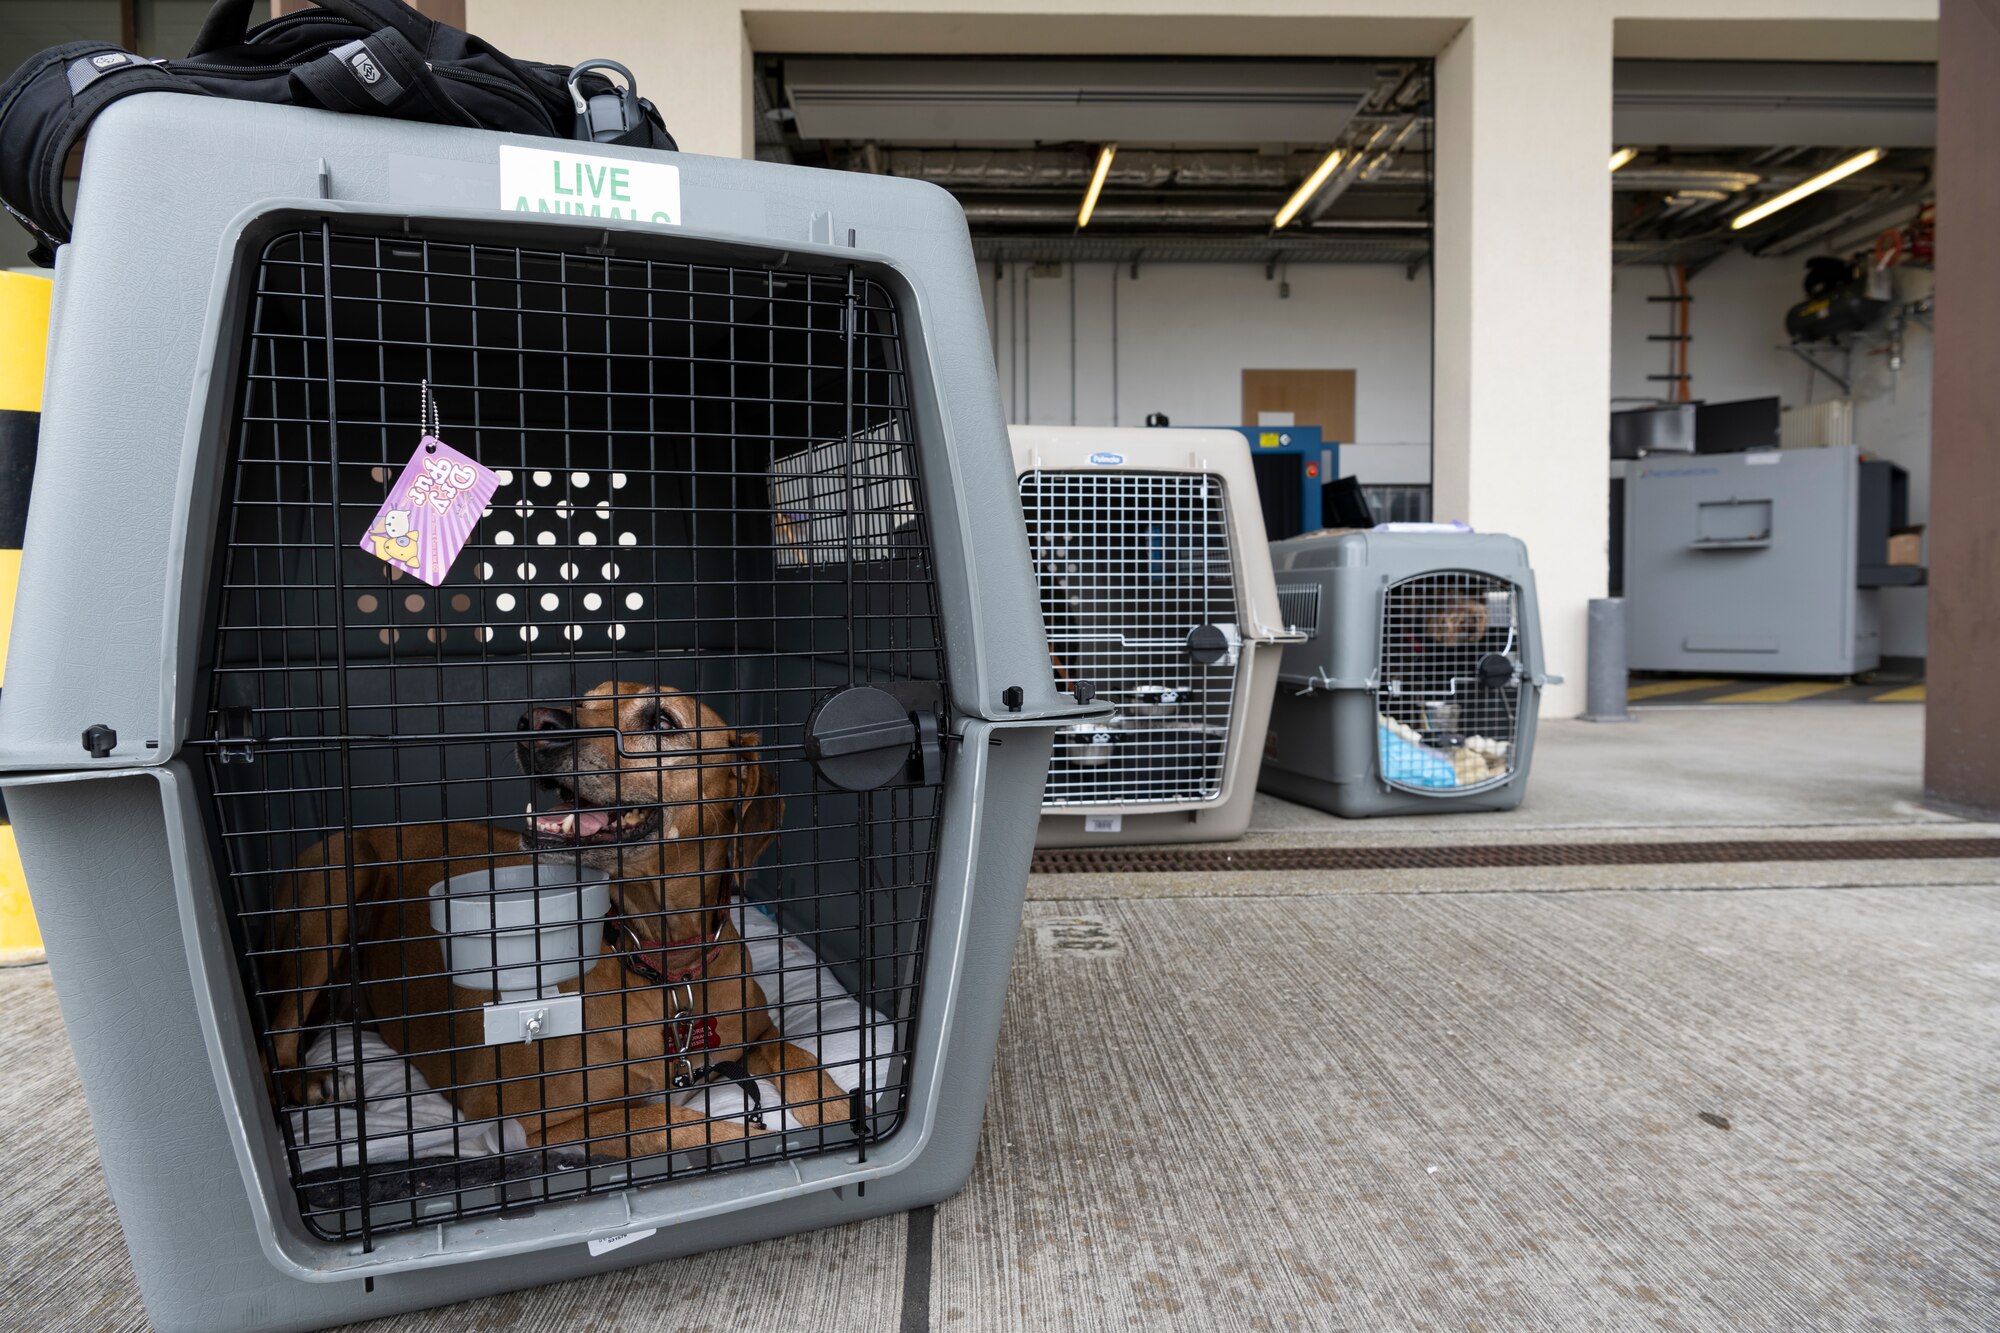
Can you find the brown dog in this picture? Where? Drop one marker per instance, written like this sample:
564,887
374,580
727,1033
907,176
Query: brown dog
672,807
1460,621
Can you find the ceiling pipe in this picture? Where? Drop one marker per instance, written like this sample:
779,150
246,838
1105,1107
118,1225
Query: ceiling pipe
1632,179
1290,246
1878,204
1031,212
1235,169
1396,141
1357,158
968,168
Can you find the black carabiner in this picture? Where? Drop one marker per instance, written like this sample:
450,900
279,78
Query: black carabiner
610,114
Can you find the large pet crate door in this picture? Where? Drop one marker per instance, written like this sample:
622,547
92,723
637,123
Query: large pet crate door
1138,593
708,482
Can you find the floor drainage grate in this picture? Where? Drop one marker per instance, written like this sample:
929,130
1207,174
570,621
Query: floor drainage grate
1128,861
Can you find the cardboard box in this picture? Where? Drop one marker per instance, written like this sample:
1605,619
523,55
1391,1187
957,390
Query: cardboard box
1906,546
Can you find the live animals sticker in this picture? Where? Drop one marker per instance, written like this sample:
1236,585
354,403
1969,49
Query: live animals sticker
536,180
431,511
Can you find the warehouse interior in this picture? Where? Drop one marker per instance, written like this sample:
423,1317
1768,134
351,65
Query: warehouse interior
1181,279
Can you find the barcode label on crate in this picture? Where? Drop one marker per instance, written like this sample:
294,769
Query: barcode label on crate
1103,823
607,1244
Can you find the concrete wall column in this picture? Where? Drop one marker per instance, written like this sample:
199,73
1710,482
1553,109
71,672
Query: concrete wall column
1962,725
691,57
1523,296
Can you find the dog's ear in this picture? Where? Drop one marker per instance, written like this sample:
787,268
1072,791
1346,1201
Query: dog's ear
760,808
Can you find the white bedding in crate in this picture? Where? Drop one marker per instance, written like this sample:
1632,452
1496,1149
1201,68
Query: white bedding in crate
406,1119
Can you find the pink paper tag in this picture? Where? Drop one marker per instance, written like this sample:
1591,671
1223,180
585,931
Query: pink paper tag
431,511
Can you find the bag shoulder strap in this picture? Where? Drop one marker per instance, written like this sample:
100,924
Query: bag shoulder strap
93,76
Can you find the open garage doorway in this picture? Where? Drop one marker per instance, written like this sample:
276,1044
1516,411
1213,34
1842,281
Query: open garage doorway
1151,230
1774,231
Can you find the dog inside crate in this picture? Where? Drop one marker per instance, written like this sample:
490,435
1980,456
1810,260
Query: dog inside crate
1450,681
706,525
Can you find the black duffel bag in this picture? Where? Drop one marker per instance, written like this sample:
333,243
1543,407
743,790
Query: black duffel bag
367,57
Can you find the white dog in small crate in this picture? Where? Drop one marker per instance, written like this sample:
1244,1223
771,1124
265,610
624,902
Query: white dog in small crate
674,808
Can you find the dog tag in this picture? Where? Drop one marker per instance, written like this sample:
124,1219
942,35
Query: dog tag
431,510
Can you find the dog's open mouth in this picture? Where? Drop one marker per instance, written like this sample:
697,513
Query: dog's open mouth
556,819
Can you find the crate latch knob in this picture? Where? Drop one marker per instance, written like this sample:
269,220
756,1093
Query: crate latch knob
861,738
1213,645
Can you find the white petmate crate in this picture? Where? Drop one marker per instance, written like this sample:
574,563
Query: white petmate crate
1156,590
1417,687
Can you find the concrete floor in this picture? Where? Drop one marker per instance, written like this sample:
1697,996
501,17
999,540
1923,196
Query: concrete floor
1740,767
1603,1098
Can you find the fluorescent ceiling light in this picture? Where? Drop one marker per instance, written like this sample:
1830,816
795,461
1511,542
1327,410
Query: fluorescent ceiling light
1308,190
1804,188
1104,156
1622,156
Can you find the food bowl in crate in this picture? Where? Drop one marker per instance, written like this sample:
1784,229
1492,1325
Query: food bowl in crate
520,932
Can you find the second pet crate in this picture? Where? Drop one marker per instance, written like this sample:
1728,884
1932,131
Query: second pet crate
1156,592
1417,686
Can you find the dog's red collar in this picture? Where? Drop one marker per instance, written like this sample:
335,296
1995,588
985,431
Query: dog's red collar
649,957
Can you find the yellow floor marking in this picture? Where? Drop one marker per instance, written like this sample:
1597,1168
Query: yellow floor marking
1653,689
1783,694
1909,694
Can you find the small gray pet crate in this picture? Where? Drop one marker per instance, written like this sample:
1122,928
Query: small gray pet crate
1417,687
749,446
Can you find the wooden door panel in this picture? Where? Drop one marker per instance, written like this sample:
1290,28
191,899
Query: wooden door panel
1323,398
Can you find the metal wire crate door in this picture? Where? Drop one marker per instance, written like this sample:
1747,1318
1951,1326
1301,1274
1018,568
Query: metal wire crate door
646,415
1129,565
1449,682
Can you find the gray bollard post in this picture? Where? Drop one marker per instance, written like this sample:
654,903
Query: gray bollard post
1604,696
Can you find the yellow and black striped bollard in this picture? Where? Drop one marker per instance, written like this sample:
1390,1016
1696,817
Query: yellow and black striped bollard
24,336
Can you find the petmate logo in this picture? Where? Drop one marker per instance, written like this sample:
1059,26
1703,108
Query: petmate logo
1106,460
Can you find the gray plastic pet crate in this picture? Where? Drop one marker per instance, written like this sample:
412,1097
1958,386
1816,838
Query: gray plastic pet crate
1417,687
752,448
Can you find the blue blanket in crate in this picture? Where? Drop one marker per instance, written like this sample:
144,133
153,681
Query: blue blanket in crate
1412,764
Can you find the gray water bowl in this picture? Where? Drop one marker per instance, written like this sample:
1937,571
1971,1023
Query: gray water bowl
521,931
